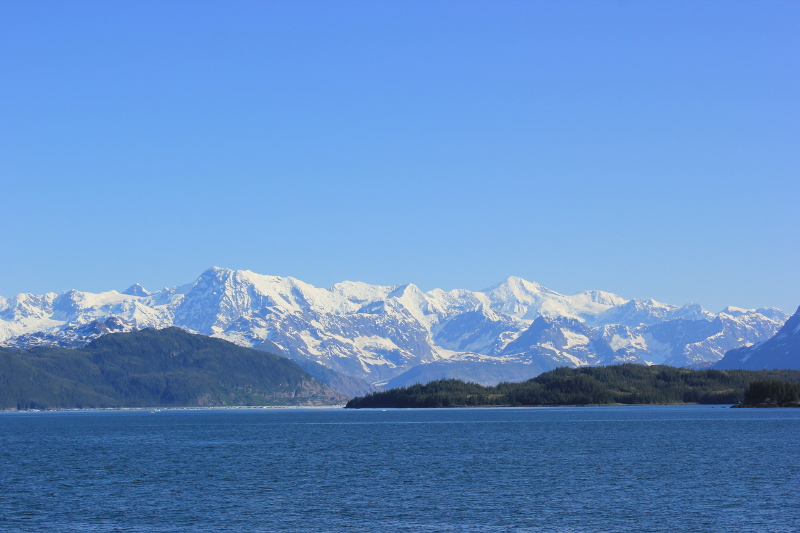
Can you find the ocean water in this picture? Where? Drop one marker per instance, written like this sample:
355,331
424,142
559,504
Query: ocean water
566,469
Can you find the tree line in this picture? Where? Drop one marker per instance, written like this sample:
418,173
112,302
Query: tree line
616,384
772,393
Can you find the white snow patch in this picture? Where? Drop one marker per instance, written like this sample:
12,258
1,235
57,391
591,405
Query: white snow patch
574,339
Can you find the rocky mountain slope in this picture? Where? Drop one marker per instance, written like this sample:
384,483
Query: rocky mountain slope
511,331
780,351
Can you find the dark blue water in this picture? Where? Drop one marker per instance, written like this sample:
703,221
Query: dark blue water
595,469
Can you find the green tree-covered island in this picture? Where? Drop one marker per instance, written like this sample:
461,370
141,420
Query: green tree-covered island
619,384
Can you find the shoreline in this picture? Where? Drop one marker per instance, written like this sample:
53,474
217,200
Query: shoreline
157,409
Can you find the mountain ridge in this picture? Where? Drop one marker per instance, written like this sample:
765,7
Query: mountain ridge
779,351
378,333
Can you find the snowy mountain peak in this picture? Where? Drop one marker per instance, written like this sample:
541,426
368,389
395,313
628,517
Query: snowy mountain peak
136,290
527,300
409,289
770,312
691,311
213,270
635,312
649,302
600,297
359,292
515,285
735,311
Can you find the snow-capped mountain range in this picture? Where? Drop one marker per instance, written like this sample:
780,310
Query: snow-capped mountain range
511,331
779,351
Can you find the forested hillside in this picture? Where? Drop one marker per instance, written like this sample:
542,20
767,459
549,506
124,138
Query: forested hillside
617,384
151,368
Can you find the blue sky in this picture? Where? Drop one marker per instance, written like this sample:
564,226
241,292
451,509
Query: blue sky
650,149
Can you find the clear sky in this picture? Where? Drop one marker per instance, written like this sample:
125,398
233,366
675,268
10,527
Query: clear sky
646,148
